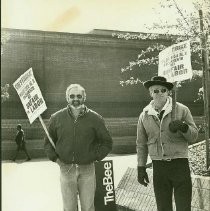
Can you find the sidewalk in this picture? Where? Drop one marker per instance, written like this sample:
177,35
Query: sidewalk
35,185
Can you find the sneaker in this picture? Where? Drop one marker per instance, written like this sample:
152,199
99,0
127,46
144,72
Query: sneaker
28,159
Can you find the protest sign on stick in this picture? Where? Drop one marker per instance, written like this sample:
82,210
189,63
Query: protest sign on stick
175,65
31,98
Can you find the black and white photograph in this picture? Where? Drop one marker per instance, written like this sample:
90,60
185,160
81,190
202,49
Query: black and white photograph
105,105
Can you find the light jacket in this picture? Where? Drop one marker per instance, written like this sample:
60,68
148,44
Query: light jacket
155,138
80,141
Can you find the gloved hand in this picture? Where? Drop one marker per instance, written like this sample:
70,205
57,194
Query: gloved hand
142,176
176,125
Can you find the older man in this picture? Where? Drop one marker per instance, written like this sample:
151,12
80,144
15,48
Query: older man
166,141
80,138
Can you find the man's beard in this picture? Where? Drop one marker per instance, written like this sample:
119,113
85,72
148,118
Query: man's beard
76,104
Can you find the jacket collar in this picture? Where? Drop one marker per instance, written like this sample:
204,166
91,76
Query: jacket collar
151,111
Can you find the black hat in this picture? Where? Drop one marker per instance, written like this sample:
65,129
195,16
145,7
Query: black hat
158,80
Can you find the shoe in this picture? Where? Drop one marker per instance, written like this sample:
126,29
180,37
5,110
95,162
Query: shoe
28,159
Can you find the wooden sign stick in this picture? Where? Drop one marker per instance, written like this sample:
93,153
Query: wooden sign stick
174,90
46,131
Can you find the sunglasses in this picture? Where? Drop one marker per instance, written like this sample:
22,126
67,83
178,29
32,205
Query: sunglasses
72,96
156,91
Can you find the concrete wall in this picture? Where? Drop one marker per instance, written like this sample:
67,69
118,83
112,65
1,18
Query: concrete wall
122,130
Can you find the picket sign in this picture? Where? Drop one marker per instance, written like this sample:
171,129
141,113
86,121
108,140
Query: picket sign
175,65
31,98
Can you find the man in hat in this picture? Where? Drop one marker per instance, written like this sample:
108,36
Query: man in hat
166,141
20,141
80,138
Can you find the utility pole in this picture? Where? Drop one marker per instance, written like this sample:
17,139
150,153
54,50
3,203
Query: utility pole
205,67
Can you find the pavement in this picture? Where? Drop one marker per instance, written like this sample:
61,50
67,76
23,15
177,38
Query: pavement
35,185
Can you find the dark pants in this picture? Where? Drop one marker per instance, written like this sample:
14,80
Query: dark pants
172,177
21,147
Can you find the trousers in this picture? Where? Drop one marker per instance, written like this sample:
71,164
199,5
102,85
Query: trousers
172,177
78,180
21,147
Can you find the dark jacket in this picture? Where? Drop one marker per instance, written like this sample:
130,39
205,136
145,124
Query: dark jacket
20,139
80,141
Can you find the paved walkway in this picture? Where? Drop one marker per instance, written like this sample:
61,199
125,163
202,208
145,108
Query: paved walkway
34,185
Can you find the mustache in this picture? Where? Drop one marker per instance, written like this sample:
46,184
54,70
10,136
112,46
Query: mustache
77,101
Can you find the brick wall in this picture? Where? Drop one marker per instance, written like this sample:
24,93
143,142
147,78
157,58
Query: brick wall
92,60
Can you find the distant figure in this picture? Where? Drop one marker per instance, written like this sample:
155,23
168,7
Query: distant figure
20,141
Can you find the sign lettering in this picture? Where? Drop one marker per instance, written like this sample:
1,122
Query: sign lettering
175,62
105,194
30,95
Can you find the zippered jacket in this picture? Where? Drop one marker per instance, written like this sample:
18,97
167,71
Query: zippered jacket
80,141
155,138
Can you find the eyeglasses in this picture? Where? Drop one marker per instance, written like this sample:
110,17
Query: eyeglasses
156,91
72,96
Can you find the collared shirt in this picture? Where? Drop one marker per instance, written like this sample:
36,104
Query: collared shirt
160,113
